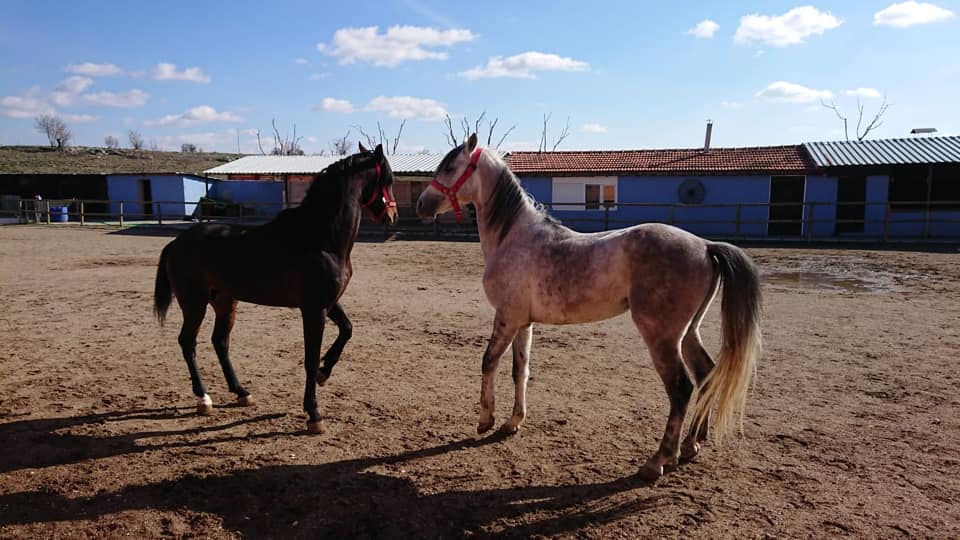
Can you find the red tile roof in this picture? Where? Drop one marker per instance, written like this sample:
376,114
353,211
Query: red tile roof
763,159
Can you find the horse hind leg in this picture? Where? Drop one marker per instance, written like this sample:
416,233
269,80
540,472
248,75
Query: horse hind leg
521,373
701,364
193,313
226,311
665,352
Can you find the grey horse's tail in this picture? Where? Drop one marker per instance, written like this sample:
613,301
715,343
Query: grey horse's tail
162,293
726,386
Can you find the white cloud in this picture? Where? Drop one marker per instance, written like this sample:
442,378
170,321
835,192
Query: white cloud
787,92
301,61
68,90
791,28
704,29
26,105
594,128
397,45
731,104
408,107
196,115
93,70
864,92
130,99
318,76
910,13
168,72
522,66
334,105
80,118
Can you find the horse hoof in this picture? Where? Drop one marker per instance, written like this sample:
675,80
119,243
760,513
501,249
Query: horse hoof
689,451
484,427
322,379
204,409
650,472
316,428
509,428
204,405
245,401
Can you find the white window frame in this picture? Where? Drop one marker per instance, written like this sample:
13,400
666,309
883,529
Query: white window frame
562,187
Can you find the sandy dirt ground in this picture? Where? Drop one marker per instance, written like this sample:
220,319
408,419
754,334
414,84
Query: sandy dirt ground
851,430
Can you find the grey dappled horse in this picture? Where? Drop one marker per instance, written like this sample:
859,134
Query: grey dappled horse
538,271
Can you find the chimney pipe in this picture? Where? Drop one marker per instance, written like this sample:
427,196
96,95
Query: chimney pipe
706,139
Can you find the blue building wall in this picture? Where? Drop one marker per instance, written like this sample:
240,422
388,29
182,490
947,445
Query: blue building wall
170,194
752,193
266,197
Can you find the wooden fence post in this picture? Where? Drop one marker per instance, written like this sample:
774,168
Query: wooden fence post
48,212
121,214
159,214
81,214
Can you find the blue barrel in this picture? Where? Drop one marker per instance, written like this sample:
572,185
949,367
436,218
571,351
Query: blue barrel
62,213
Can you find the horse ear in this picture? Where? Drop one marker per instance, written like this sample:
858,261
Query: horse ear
471,143
378,151
362,148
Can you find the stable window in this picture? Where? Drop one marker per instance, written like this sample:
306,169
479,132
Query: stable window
908,188
945,191
596,193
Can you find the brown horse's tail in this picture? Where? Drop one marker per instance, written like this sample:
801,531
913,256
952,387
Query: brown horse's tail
162,293
726,386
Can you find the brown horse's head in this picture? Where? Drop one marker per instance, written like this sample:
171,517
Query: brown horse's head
377,192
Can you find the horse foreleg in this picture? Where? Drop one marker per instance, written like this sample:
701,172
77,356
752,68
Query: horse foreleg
503,333
226,310
345,332
521,372
313,323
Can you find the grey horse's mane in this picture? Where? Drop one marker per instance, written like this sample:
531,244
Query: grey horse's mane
508,199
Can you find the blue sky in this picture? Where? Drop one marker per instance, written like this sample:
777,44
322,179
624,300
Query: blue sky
627,74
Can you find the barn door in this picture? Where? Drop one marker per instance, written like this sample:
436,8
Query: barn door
146,197
851,197
786,206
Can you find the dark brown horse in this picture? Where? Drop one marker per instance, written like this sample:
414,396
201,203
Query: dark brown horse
301,259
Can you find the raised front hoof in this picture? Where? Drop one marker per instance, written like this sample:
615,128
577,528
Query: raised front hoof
322,378
246,401
316,427
485,426
204,409
689,450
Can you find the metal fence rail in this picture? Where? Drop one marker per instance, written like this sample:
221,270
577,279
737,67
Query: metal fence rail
815,220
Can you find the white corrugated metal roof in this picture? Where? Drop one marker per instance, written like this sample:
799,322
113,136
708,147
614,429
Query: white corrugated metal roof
403,164
916,150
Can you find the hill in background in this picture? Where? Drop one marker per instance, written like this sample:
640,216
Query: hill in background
92,160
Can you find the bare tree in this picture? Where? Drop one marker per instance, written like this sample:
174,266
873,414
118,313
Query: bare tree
111,142
283,146
135,139
466,129
341,145
872,125
543,134
56,130
189,148
382,137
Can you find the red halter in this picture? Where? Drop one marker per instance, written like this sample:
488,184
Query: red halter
451,192
387,202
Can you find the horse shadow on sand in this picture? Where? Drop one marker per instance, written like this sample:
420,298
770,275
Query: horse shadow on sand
341,499
49,442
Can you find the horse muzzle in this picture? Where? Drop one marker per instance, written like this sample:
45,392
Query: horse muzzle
429,205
